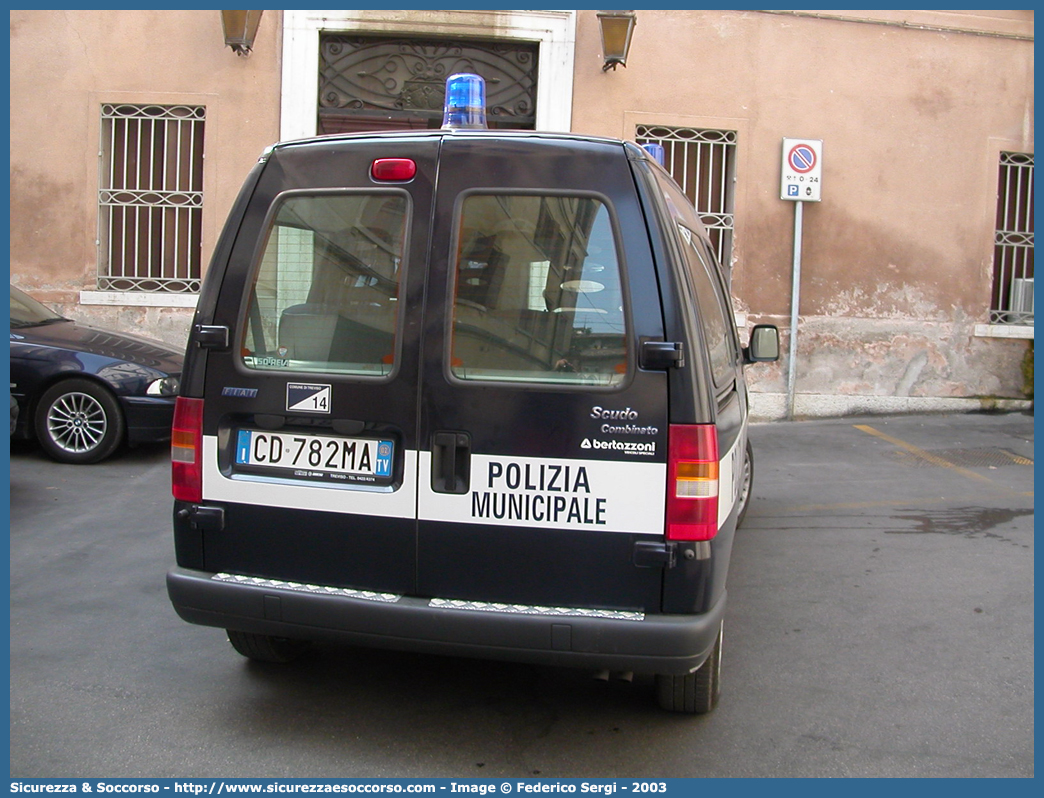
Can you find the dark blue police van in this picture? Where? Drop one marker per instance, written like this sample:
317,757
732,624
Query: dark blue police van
465,392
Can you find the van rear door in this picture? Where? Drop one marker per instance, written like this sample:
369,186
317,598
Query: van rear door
543,443
309,425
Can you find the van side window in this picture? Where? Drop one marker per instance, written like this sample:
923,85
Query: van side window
324,297
538,294
714,318
711,295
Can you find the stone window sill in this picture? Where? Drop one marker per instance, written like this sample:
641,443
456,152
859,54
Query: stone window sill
139,299
1003,330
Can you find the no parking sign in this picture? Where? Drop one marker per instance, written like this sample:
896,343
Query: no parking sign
802,170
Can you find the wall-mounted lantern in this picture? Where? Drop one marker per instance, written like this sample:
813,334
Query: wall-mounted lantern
617,27
240,29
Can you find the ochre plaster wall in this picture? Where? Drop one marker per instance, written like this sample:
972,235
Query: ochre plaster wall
897,258
913,109
65,64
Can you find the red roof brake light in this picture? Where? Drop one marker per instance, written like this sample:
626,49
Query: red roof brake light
393,170
186,450
692,482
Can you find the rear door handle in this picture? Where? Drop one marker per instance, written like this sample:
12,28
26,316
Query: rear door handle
451,462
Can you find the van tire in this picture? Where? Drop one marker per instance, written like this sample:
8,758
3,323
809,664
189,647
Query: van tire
695,693
746,485
266,648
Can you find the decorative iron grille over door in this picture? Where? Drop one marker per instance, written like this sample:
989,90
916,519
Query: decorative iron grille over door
369,83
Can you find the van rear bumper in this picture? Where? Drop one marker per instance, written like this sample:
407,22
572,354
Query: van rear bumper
665,644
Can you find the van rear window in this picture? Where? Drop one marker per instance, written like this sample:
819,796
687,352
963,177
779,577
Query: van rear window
324,297
538,294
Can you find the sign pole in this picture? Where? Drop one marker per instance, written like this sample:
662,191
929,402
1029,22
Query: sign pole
795,299
800,182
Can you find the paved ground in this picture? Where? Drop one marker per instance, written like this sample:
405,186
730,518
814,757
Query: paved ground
880,623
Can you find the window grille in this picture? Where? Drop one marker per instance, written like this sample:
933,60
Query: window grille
703,163
150,198
1012,301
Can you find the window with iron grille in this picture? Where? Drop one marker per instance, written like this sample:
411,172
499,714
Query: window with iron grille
1012,301
703,163
150,198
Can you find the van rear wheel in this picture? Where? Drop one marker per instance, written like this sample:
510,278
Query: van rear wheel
695,693
746,484
266,648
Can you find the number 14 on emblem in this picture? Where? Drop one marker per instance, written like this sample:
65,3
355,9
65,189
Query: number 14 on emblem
307,398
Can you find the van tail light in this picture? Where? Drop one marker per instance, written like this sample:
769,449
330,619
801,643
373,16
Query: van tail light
186,450
692,482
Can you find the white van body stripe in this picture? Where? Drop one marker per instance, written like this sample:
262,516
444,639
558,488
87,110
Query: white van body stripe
401,503
730,472
728,468
548,493
552,493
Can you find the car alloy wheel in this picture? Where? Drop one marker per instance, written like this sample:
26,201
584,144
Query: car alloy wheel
78,422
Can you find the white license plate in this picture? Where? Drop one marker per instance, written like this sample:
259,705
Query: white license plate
315,454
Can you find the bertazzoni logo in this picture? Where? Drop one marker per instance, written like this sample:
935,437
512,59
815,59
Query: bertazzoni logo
641,449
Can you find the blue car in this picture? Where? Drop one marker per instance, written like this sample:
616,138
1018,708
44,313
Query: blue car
82,391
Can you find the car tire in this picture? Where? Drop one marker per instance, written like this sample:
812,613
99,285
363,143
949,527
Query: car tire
694,693
266,648
78,421
746,484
